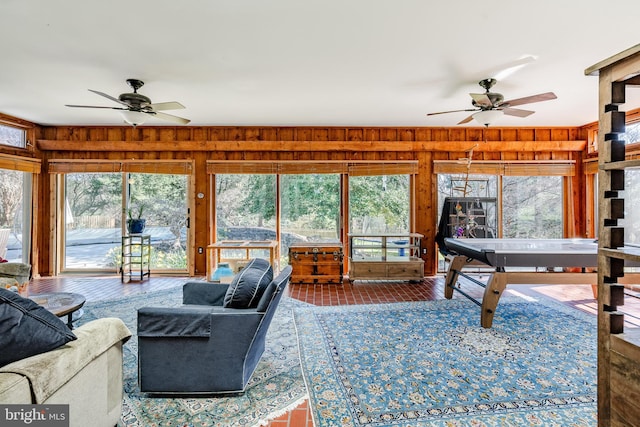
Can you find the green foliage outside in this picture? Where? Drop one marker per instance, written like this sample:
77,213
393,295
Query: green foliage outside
532,207
379,197
312,202
174,258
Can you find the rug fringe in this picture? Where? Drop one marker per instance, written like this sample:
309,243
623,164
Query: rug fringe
273,415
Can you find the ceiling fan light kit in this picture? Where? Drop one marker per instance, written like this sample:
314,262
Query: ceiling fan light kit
134,118
486,117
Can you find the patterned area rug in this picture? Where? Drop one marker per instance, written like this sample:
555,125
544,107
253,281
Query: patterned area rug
276,386
431,364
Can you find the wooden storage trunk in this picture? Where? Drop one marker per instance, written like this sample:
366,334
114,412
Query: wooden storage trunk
316,262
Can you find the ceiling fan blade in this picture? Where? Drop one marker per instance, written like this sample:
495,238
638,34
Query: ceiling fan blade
498,72
481,99
170,117
94,106
504,70
467,120
452,111
530,99
516,112
109,97
161,106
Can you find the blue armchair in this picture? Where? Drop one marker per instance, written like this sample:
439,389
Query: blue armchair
203,346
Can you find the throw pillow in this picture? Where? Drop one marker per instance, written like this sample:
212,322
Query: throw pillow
249,284
27,329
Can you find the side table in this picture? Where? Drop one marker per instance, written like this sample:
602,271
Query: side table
235,252
61,304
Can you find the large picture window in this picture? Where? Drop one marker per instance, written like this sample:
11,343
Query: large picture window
532,207
292,201
245,207
310,209
379,204
529,196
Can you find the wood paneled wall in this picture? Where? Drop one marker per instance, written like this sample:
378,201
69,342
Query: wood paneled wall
306,144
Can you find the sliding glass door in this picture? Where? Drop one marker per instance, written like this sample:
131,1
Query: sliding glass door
92,218
96,208
161,200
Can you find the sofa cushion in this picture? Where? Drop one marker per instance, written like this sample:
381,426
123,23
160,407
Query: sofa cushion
27,329
249,284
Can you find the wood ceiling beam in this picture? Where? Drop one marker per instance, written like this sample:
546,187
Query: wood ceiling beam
301,146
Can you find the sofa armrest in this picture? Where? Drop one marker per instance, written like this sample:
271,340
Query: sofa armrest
195,321
185,321
48,371
204,293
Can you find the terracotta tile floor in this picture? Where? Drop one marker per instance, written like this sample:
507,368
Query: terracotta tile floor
359,292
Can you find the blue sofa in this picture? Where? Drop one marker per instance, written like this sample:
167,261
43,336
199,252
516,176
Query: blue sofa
212,343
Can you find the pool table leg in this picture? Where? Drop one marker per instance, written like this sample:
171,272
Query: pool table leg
495,286
456,263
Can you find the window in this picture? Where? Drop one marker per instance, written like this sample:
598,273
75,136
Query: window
13,137
92,220
379,204
532,207
475,185
632,133
161,199
631,221
15,214
530,194
246,207
311,197
310,209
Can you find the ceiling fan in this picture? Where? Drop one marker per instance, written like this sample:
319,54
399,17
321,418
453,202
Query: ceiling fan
136,108
491,105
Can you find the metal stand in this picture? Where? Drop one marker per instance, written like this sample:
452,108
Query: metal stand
136,256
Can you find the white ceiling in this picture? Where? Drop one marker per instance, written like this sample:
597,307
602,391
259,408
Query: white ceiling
306,62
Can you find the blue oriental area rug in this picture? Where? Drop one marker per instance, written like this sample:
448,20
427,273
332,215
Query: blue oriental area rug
432,364
275,387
